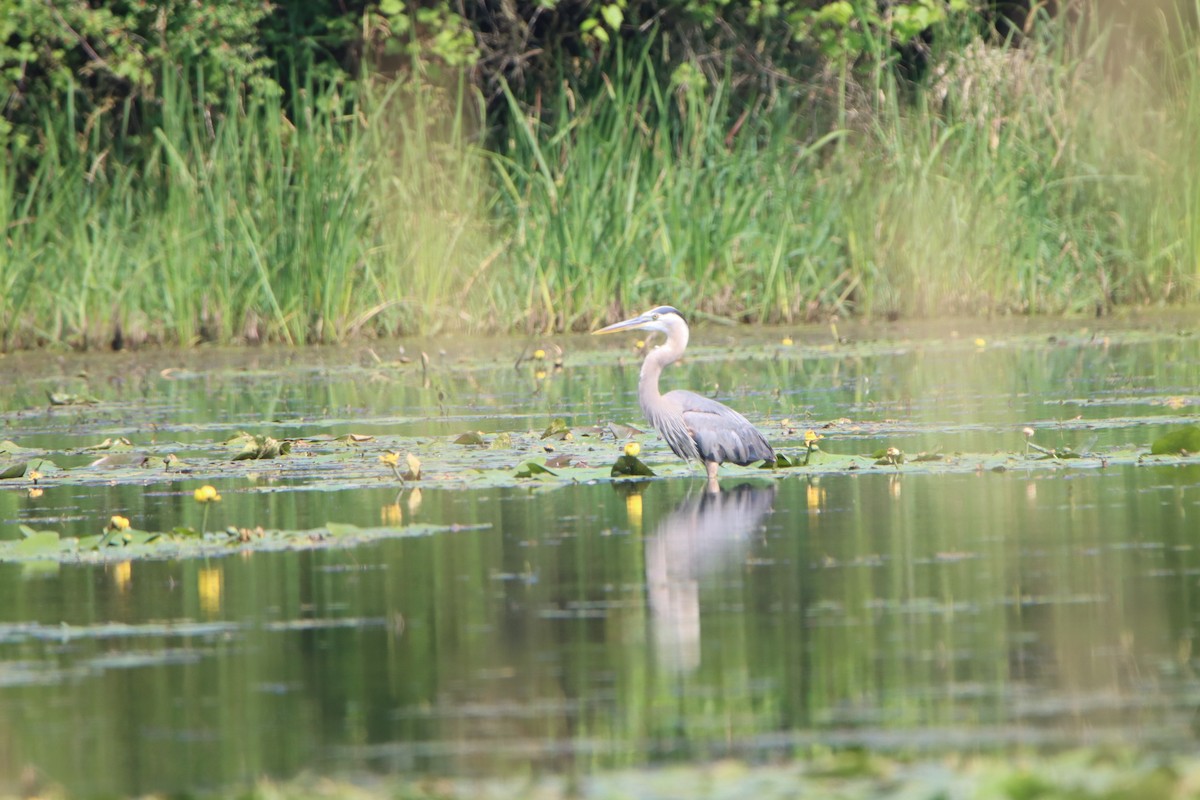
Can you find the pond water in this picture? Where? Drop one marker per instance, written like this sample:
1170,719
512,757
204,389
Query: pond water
485,626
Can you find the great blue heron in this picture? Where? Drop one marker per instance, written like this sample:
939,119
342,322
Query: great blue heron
696,427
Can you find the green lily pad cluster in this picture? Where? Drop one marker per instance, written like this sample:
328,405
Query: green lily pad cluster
132,544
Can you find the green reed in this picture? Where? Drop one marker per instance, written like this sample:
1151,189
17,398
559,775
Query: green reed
244,223
1031,180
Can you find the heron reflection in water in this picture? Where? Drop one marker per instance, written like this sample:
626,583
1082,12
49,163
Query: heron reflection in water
705,533
696,428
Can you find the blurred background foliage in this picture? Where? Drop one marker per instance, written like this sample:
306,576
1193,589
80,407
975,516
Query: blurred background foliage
108,60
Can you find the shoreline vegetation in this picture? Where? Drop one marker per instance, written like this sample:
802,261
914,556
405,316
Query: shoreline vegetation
862,168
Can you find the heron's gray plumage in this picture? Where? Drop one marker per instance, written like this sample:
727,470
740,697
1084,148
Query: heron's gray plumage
696,428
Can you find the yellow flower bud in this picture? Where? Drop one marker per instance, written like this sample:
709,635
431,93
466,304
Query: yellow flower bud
632,449
119,523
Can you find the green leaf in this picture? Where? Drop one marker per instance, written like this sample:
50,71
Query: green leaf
630,466
558,427
14,470
1180,442
470,437
342,529
120,443
262,447
532,468
613,16
39,542
70,399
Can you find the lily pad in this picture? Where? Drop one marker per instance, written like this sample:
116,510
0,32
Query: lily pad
120,443
13,470
185,542
558,429
255,448
1179,442
70,399
630,466
531,469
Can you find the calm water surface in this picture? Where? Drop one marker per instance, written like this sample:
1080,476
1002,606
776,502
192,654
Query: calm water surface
586,626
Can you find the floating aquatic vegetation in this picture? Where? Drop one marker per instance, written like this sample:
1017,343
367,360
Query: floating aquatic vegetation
629,466
532,469
257,447
70,399
120,542
1180,442
557,429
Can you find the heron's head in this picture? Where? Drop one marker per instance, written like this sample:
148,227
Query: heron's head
663,319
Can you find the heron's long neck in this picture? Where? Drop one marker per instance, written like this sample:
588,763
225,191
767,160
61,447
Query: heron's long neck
666,353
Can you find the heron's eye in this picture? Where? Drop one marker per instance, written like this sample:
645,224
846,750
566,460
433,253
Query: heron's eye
654,316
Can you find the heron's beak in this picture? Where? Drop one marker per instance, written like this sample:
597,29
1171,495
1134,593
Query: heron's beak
639,321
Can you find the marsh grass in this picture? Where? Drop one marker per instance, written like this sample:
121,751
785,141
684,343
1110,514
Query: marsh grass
1060,176
246,224
1039,179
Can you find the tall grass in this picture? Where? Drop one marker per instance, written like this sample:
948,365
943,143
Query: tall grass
1040,179
646,194
1048,178
247,224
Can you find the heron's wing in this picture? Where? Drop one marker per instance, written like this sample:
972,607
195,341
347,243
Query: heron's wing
720,433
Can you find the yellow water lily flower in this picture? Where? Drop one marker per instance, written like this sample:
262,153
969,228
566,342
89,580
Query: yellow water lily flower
632,449
206,494
118,523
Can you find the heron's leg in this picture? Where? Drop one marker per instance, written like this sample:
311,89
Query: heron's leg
712,467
